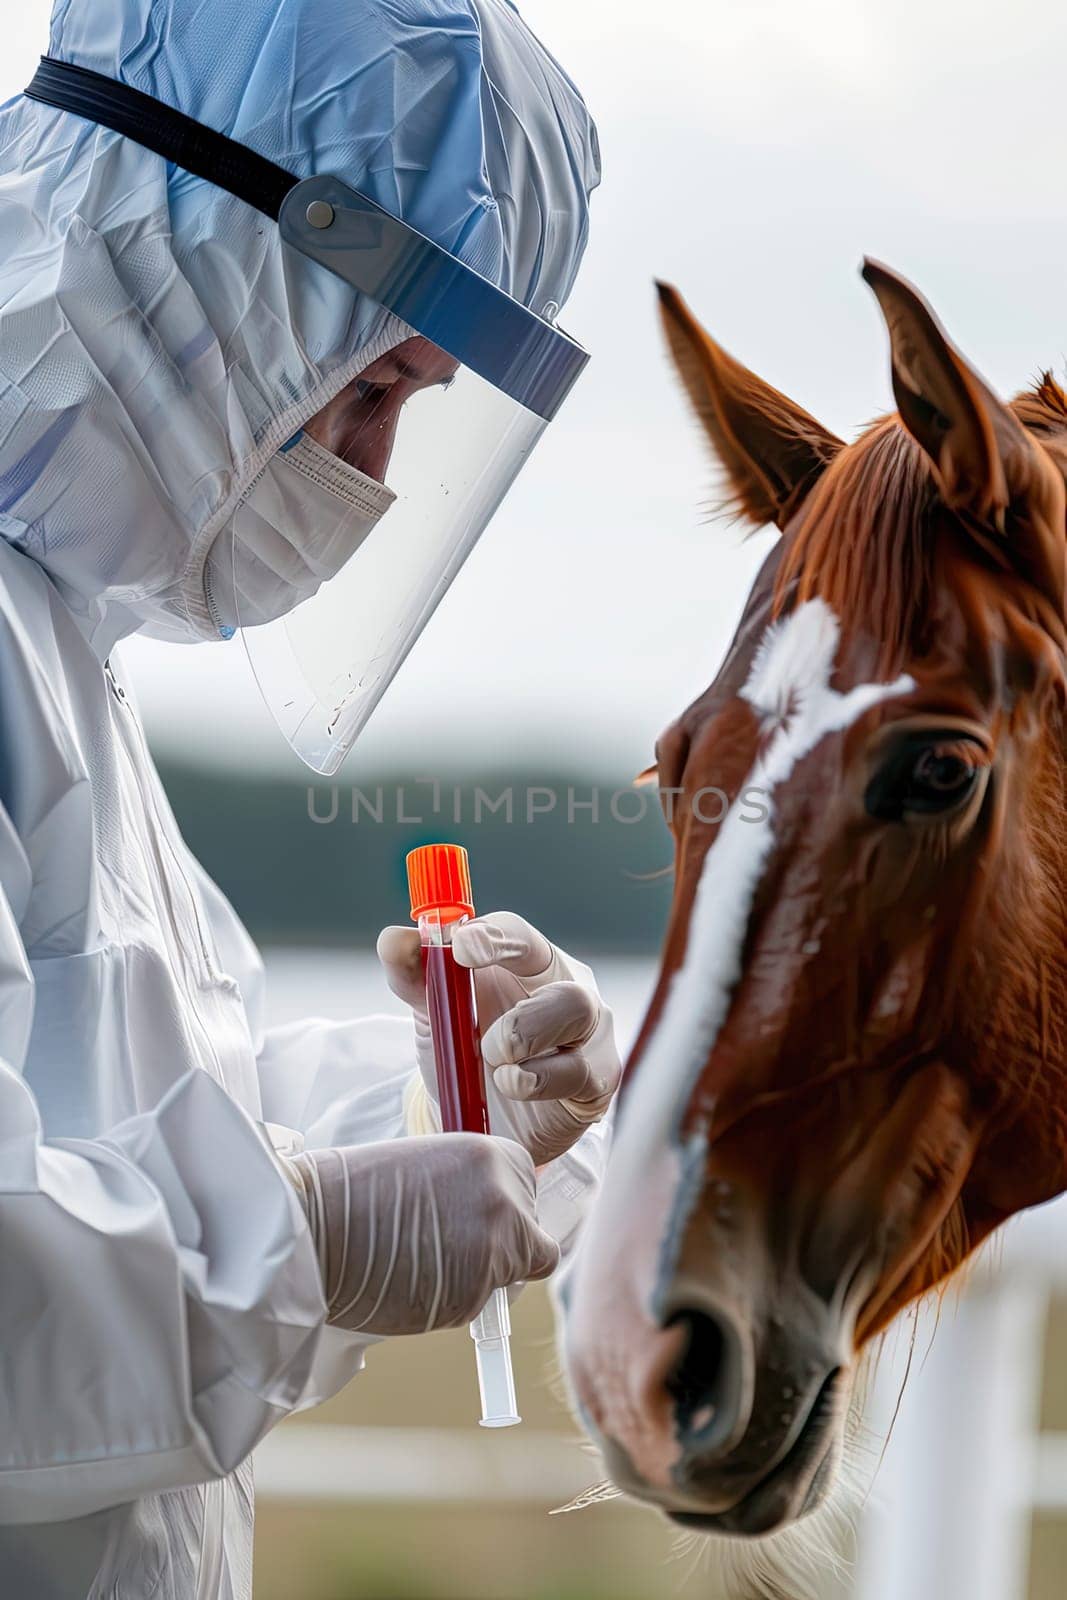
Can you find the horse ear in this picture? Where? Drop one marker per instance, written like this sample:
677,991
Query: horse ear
986,461
969,435
771,450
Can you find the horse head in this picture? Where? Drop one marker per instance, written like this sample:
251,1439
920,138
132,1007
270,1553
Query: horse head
854,1064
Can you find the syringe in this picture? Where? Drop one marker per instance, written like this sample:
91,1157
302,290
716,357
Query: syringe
440,887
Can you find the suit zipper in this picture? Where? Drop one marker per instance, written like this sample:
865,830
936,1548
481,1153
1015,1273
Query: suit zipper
159,832
156,831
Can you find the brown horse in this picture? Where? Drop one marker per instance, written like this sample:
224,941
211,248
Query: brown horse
854,1064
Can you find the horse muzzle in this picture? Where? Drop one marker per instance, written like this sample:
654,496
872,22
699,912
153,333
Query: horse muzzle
718,1450
716,1385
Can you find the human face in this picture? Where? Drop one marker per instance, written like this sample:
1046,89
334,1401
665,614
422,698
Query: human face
359,424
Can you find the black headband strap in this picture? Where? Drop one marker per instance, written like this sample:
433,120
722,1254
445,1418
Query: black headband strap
166,132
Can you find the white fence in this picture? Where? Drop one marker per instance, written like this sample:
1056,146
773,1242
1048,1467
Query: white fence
419,1466
966,1467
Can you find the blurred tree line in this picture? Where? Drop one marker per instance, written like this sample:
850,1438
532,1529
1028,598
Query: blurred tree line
324,863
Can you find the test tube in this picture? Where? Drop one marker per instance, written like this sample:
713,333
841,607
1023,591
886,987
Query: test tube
440,887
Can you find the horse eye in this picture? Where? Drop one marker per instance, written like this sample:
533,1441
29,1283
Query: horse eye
924,778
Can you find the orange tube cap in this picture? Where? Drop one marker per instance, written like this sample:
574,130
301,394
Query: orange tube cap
439,879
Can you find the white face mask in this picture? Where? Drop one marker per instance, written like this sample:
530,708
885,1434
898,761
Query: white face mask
304,516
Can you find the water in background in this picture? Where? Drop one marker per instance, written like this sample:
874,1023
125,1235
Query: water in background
348,983
585,856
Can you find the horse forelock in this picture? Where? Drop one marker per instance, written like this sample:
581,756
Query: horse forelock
866,539
863,542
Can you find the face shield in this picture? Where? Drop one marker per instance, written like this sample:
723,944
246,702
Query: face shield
444,418
366,516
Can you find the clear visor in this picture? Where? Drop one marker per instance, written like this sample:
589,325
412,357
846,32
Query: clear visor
448,446
460,383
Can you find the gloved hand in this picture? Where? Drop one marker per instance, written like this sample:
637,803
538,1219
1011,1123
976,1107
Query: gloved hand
414,1234
547,1037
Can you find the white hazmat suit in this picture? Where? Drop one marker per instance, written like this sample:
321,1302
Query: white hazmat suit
161,1305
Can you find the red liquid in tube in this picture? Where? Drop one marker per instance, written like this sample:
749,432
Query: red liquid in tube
456,1044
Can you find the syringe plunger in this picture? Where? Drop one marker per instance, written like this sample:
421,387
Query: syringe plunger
491,1333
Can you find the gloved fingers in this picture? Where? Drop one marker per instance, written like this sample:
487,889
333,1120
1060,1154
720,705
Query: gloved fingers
560,1076
413,1234
527,1250
505,940
499,1148
534,1255
543,1260
561,1014
400,953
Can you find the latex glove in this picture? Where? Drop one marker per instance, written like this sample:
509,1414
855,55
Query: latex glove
414,1234
548,1040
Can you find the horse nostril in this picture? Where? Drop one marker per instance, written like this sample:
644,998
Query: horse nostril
701,1380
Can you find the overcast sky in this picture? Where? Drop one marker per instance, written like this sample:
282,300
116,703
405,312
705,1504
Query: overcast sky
753,151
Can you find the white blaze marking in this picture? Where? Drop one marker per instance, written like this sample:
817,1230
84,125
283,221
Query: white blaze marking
628,1252
789,684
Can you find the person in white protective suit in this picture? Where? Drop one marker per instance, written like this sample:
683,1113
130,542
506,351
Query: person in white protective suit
242,248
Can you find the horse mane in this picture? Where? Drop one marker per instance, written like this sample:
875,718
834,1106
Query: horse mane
864,542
